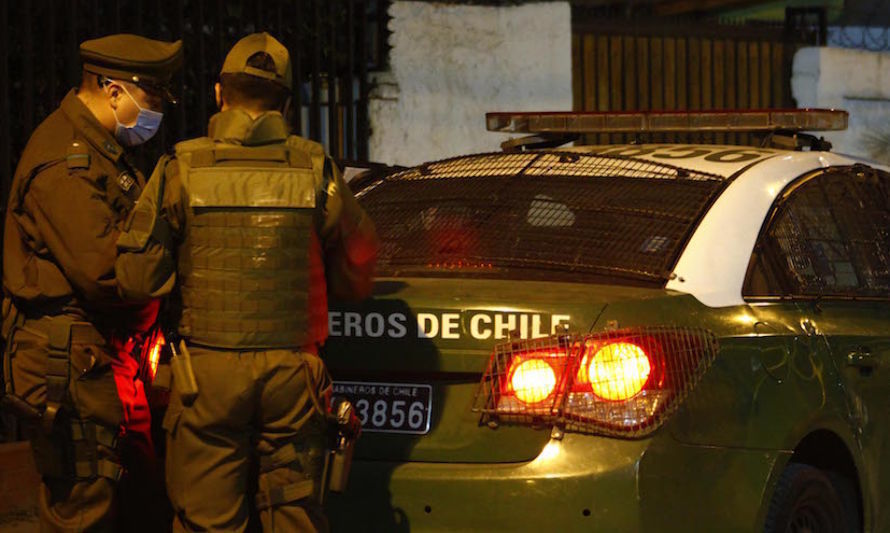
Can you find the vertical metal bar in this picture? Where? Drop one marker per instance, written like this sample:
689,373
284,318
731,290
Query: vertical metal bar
72,48
138,10
28,68
363,129
315,111
156,31
333,119
96,28
348,93
221,30
182,109
823,26
51,74
5,118
203,73
243,22
297,62
155,24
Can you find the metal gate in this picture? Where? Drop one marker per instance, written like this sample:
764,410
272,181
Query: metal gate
333,44
667,64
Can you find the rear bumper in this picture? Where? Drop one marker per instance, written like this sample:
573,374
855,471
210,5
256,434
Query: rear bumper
579,483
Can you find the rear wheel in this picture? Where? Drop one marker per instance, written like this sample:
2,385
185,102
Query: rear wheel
807,500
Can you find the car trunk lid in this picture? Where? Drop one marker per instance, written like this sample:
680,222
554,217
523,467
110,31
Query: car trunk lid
428,340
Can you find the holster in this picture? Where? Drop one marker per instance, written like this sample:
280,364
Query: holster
57,369
183,375
71,450
338,461
64,446
11,319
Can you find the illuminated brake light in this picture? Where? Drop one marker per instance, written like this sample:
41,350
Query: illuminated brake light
532,380
621,383
616,371
764,120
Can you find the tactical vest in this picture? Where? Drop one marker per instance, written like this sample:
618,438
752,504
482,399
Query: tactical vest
244,264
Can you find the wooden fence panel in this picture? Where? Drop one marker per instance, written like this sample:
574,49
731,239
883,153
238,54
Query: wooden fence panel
657,66
682,80
603,85
577,81
670,73
719,73
732,101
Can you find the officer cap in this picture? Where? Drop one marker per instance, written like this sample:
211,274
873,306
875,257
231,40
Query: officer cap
146,62
236,61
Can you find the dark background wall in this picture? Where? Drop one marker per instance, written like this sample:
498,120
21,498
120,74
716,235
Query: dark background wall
333,44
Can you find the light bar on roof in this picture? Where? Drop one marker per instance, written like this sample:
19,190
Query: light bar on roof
668,121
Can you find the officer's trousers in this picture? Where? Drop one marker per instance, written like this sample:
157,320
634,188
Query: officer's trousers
96,461
251,447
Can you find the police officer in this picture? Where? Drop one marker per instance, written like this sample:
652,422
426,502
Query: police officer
251,229
68,365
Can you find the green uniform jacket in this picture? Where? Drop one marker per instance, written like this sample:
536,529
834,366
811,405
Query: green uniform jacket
147,265
71,192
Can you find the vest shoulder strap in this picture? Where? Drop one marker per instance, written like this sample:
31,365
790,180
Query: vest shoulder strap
185,148
244,156
317,157
219,175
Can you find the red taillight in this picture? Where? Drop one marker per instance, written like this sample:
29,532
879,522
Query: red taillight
614,371
532,381
617,383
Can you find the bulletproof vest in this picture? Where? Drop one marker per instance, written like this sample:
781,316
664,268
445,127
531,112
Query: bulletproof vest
245,259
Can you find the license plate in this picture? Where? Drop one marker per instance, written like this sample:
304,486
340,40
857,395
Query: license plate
389,407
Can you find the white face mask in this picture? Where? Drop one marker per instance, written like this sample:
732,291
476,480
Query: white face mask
148,123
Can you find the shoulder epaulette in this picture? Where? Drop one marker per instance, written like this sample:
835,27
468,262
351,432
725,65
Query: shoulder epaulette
77,156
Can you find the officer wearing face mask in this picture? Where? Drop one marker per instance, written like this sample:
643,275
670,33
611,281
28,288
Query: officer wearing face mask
71,369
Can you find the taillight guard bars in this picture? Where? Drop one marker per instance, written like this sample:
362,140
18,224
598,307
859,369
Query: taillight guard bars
677,358
495,392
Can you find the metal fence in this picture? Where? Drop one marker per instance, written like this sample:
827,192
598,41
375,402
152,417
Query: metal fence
861,37
333,45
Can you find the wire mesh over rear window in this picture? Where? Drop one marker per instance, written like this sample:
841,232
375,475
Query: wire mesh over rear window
542,215
829,237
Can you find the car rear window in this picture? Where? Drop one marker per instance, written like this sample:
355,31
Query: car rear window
559,216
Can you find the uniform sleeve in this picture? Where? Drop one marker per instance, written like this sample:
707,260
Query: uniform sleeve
78,229
349,239
146,262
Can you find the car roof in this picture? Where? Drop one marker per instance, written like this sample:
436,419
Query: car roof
720,159
713,264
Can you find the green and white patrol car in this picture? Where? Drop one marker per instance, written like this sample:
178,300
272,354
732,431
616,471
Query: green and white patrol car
642,337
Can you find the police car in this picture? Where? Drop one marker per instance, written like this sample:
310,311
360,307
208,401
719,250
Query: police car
640,337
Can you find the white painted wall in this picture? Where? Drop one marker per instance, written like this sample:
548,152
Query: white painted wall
452,63
855,80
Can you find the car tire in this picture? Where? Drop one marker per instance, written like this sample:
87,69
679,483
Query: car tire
807,499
